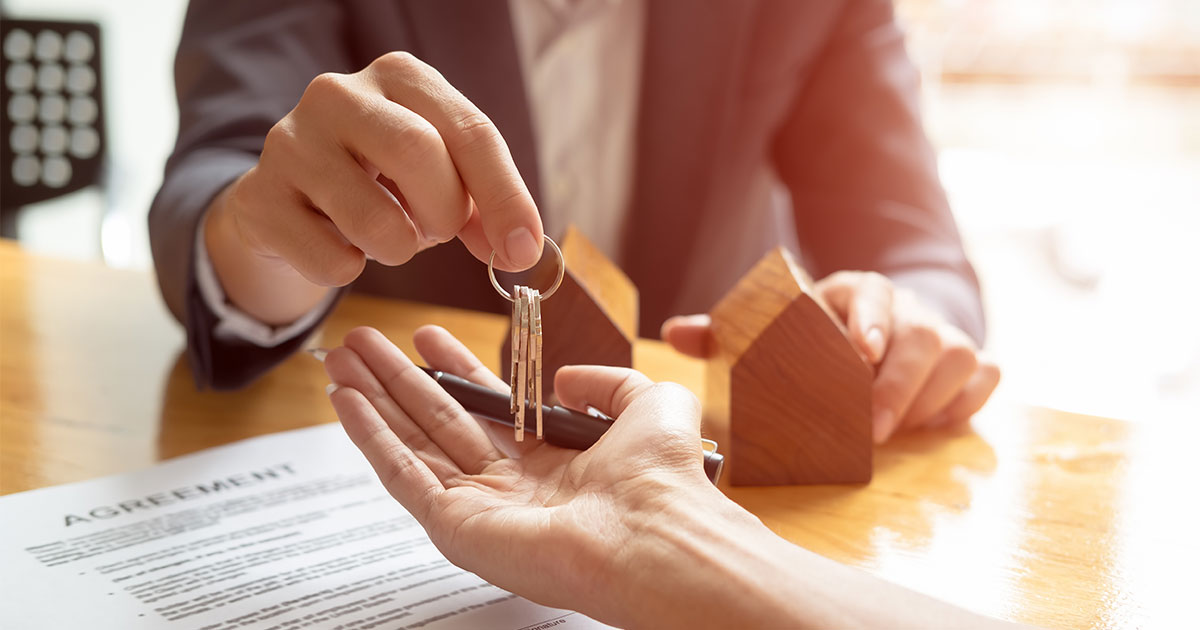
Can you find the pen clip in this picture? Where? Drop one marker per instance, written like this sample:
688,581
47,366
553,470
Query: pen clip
714,462
596,413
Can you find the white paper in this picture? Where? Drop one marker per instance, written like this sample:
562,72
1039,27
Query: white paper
287,531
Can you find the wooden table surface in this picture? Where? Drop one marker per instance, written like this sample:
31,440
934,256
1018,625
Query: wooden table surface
1034,515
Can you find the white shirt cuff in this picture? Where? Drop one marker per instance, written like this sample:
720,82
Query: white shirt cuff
235,325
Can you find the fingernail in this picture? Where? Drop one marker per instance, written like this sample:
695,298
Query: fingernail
521,248
882,425
330,388
317,353
874,339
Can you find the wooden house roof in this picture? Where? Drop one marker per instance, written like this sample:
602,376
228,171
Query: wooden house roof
757,300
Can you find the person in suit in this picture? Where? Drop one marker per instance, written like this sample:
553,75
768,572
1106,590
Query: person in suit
392,146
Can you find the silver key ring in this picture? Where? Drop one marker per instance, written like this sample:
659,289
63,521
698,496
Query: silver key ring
562,268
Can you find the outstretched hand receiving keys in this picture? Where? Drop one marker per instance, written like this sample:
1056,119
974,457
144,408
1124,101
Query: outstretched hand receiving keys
629,531
548,523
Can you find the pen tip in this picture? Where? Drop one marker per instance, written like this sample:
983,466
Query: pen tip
317,353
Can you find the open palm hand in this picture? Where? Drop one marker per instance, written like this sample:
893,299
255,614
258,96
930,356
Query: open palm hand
540,520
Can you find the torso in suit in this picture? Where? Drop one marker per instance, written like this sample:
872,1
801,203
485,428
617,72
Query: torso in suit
811,105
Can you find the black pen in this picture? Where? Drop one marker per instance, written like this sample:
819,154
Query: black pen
562,427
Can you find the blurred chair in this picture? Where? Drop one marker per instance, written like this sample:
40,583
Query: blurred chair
51,112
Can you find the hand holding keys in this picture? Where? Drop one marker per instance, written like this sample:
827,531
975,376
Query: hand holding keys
525,378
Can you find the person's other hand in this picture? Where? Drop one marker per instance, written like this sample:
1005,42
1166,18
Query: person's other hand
382,163
928,373
553,524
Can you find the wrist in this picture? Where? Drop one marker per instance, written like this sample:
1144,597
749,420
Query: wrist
223,233
702,560
260,284
686,553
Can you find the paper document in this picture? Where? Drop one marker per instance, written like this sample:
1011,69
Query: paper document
287,531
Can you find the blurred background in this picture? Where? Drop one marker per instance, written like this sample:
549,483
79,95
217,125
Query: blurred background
1069,142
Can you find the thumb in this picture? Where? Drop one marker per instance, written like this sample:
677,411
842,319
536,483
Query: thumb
864,301
609,389
661,417
690,335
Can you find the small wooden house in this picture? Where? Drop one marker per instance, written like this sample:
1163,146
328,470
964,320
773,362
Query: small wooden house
794,393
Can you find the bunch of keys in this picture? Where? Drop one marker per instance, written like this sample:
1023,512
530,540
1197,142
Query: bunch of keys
525,378
526,374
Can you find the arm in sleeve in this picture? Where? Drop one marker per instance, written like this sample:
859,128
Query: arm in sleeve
862,174
240,67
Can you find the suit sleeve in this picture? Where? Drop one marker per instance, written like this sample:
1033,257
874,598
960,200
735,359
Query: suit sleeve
862,174
240,67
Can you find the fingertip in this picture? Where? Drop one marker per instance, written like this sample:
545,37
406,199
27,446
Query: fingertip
701,320
690,335
607,388
427,334
882,425
521,249
667,330
564,384
437,347
337,365
370,344
869,314
361,334
939,420
569,374
875,343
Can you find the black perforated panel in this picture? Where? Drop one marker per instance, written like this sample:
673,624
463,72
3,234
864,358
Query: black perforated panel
51,105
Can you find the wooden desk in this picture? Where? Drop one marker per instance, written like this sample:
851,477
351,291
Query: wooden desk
1036,515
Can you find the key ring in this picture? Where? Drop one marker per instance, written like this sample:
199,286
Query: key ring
562,268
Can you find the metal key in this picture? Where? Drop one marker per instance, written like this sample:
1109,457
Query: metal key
535,350
522,296
516,349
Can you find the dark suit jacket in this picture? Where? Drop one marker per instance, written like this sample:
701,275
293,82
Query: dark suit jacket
738,98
